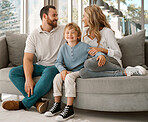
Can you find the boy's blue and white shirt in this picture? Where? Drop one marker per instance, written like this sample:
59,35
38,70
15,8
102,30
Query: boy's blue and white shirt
73,57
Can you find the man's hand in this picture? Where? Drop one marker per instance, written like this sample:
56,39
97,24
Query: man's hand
63,74
101,61
29,85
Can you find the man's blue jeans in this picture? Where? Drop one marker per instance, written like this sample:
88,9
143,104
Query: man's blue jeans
43,85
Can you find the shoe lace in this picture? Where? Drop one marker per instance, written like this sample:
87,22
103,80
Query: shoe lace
65,111
54,107
136,72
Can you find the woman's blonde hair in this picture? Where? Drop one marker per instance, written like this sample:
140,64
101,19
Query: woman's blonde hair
95,19
73,25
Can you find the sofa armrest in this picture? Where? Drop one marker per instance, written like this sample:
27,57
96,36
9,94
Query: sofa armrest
3,53
146,52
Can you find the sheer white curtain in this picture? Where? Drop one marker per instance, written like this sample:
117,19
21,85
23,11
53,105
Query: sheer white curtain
33,19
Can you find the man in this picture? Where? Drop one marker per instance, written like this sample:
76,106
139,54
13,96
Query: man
44,42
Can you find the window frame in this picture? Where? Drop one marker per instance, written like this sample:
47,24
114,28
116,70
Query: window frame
70,8
24,13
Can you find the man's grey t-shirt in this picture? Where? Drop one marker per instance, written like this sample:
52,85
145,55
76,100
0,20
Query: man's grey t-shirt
45,45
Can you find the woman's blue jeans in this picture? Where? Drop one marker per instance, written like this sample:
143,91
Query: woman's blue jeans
42,87
110,69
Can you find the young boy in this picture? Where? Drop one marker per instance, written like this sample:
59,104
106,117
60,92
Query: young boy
72,54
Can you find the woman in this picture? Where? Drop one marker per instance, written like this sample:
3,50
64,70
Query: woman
100,37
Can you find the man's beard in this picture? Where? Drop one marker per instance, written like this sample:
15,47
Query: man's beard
51,23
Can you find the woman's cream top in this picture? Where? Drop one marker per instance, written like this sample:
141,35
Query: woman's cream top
108,41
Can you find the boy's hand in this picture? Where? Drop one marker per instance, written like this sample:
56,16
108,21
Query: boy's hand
63,74
101,61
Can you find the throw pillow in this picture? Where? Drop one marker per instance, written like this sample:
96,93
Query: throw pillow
132,48
16,45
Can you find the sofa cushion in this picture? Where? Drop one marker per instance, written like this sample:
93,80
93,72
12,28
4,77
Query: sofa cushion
113,85
132,48
16,45
104,85
4,74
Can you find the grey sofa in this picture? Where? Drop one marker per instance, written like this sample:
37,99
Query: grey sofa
118,94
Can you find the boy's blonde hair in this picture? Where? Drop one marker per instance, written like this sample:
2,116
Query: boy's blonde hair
73,25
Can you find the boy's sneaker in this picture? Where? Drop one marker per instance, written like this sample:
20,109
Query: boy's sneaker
67,113
135,71
56,108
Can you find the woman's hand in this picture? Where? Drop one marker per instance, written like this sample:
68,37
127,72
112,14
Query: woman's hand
94,50
101,61
63,74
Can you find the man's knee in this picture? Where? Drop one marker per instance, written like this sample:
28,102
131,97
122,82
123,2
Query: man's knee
49,74
51,70
15,71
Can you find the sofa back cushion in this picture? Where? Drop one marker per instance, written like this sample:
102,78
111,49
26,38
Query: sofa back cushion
16,45
132,48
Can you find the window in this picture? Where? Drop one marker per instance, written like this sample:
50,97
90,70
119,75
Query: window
146,17
132,20
85,3
20,16
132,11
62,8
10,14
75,11
71,11
23,16
112,18
33,20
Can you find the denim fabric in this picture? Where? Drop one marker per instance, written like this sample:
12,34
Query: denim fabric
43,85
110,69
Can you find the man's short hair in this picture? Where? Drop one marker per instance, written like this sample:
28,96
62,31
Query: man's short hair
45,10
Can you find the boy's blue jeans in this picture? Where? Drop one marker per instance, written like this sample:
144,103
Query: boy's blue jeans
43,85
